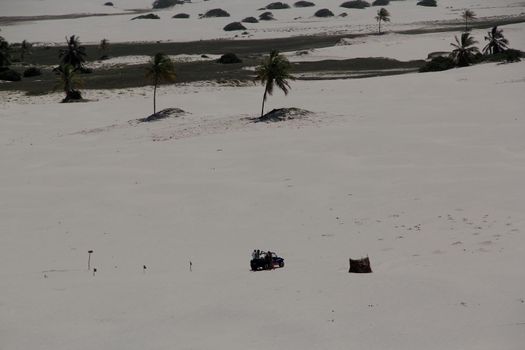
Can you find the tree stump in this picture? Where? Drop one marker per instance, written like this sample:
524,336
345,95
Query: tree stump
360,265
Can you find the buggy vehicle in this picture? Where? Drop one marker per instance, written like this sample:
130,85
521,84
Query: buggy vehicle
261,261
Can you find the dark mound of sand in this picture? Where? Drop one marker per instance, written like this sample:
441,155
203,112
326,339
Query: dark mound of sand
234,26
250,20
428,3
303,4
266,16
381,2
229,58
324,13
148,16
355,4
277,6
163,4
165,113
181,15
282,114
216,13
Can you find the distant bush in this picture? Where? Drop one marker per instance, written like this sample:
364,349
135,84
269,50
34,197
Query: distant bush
355,4
32,72
277,6
324,13
234,26
181,15
229,58
428,3
163,4
216,13
438,64
266,16
303,4
148,16
250,20
381,2
109,3
509,55
9,75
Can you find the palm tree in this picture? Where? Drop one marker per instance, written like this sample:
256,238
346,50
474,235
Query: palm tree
497,42
382,15
274,70
103,47
464,50
74,54
160,68
468,15
68,80
5,53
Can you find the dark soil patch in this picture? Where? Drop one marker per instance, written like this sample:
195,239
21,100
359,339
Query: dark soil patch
165,113
282,114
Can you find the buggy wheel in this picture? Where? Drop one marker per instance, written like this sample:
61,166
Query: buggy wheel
281,264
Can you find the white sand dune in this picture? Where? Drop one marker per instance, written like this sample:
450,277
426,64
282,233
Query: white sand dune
422,172
294,21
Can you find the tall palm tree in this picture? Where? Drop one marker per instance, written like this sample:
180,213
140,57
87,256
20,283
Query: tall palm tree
25,49
464,50
274,70
74,54
497,42
382,15
68,81
160,68
468,15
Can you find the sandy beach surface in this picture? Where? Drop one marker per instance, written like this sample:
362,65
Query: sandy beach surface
422,173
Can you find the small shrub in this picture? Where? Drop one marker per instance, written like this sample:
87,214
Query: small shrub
250,20
324,13
428,3
381,2
10,75
355,4
216,13
32,72
229,58
277,6
438,64
181,15
266,16
148,16
163,4
303,4
234,26
509,55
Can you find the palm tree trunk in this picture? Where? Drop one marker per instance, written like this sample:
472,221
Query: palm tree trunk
466,27
379,21
264,99
155,96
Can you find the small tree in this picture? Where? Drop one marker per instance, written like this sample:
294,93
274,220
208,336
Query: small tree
464,50
382,15
497,43
25,50
74,54
160,68
68,81
274,70
5,53
468,15
103,47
